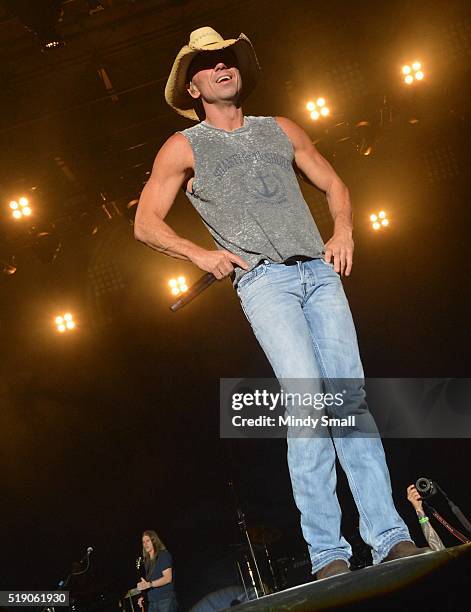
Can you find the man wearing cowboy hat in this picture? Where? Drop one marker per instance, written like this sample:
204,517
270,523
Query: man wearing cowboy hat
237,171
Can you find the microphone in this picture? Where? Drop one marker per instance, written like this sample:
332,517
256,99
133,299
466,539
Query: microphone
203,283
87,554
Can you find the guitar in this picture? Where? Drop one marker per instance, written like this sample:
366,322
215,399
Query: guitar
135,591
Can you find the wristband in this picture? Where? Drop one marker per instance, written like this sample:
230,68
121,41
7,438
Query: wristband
423,519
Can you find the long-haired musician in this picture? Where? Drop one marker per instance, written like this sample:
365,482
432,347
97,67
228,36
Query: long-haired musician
158,582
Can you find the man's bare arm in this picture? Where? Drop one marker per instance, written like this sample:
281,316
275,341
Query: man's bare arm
318,170
172,167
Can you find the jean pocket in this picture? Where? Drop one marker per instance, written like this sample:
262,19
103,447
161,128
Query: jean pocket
249,277
325,262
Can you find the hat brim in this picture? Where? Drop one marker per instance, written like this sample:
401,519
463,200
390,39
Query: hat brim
176,93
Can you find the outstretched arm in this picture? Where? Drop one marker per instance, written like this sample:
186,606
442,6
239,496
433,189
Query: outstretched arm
319,172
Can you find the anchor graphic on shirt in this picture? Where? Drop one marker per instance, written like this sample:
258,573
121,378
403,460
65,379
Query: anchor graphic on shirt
264,184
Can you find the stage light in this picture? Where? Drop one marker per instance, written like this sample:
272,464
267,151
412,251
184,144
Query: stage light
65,322
379,220
40,17
8,267
94,6
20,208
178,285
413,72
365,138
318,109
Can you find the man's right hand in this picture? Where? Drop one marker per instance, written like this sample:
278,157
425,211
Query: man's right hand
140,602
414,497
219,262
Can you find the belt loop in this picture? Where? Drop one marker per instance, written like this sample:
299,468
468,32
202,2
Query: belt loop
300,269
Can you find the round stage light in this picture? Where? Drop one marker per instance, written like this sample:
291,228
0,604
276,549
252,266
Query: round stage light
20,208
413,72
318,109
379,220
65,322
178,285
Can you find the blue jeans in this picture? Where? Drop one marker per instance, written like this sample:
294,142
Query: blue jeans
301,318
166,604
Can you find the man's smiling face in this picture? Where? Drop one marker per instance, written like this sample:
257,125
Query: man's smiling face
215,76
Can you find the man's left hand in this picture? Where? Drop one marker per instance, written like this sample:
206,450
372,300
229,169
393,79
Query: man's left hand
340,249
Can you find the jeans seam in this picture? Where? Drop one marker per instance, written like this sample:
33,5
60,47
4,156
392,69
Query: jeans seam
354,493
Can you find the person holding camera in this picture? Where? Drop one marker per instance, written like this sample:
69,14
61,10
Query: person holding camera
429,532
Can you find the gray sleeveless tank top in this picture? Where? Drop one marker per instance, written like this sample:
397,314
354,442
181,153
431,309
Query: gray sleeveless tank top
247,194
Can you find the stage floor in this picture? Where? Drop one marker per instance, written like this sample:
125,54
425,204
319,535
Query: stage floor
440,579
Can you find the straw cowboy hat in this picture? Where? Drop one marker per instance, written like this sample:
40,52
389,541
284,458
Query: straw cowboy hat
207,39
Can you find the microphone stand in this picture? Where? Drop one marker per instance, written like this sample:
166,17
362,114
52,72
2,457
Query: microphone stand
63,584
243,528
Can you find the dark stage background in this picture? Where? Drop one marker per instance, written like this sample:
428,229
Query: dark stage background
114,429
